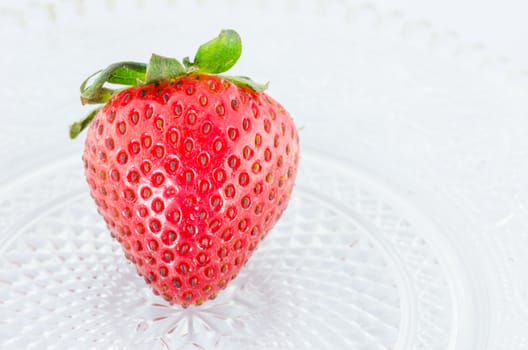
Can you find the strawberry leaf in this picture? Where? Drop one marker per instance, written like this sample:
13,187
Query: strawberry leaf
127,75
247,82
163,68
96,93
219,54
77,127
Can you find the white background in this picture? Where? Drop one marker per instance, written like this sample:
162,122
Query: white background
500,25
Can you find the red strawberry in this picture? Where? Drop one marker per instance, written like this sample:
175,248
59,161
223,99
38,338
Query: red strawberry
190,170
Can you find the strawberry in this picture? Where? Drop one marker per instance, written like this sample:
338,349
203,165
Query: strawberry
189,169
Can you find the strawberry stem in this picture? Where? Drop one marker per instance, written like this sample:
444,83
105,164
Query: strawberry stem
215,56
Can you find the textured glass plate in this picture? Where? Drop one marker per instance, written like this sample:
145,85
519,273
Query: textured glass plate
407,228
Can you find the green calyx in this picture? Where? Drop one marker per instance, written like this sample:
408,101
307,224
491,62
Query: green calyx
214,57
